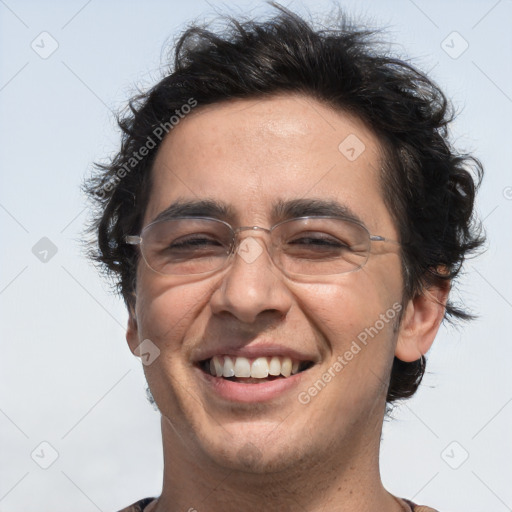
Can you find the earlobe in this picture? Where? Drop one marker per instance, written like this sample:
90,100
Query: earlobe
421,321
132,331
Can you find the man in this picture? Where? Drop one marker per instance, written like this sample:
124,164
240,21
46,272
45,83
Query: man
284,220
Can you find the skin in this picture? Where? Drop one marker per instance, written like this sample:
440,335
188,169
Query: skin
280,454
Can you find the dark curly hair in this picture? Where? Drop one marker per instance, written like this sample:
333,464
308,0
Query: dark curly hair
428,187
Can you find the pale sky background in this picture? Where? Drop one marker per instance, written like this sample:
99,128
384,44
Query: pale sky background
67,375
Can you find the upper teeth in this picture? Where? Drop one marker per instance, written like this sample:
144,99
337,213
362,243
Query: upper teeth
260,368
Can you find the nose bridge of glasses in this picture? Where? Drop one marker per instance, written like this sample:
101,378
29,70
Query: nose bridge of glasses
250,228
254,231
246,247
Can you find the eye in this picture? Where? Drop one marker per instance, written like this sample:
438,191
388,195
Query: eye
317,246
194,242
319,241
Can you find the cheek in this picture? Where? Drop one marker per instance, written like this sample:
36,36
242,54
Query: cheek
165,311
346,307
355,322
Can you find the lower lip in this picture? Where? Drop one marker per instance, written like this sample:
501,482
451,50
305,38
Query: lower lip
249,393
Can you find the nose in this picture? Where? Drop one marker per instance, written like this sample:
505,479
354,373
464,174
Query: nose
252,286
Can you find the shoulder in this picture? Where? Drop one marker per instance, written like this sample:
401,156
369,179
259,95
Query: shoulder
139,506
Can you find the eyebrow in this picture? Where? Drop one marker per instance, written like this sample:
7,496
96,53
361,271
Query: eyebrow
281,210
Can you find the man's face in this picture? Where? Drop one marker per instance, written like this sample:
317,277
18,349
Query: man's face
249,154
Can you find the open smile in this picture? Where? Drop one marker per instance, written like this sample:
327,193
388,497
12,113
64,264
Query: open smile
258,379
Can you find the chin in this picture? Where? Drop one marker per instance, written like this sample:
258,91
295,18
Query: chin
257,460
255,448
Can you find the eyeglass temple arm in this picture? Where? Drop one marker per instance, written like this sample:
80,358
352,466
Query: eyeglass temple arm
132,239
378,238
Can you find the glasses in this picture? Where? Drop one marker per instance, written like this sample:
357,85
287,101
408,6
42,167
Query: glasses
307,246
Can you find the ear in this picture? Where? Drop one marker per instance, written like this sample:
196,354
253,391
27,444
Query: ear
421,321
132,331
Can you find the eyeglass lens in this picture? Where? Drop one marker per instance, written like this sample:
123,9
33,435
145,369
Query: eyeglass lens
308,246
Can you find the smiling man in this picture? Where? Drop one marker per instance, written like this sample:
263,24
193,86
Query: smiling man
284,219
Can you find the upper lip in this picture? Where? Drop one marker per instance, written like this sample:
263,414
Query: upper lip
252,351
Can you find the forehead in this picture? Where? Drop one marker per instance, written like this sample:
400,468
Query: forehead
255,154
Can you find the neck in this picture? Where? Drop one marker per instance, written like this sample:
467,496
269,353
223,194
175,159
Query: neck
344,480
